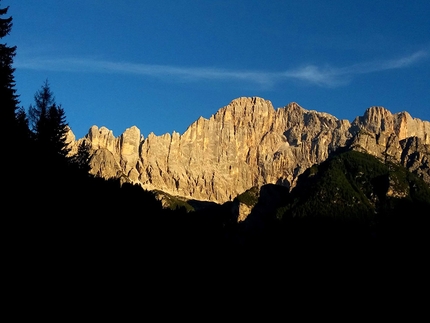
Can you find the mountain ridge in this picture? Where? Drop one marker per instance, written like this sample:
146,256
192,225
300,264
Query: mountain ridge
249,143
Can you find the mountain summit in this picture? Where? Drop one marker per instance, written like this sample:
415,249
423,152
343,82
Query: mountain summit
249,144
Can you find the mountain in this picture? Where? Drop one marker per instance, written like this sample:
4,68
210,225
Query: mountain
249,144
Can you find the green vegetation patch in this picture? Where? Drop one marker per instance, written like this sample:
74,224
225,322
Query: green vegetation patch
249,197
173,202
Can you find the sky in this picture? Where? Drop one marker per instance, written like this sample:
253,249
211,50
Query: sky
161,64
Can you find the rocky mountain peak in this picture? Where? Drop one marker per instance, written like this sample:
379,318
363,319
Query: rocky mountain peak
251,109
376,119
380,120
294,107
101,138
249,144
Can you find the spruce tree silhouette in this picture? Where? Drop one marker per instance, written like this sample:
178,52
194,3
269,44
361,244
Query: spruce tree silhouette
13,119
49,129
8,96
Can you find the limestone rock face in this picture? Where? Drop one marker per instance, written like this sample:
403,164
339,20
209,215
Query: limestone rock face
381,133
416,157
102,138
103,164
248,143
129,143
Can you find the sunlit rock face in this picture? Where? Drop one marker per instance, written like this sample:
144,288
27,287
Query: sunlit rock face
128,146
248,143
394,137
103,164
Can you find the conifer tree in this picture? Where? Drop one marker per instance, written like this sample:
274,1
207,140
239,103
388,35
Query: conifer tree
8,97
13,119
49,126
57,130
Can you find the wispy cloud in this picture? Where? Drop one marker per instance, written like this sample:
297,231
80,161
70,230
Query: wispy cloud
335,76
322,76
161,71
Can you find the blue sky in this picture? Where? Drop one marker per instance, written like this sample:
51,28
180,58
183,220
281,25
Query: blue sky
162,64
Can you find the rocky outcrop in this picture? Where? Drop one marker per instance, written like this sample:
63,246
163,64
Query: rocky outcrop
394,137
249,144
129,143
103,164
416,157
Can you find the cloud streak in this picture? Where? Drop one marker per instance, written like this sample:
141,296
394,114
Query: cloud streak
328,76
336,76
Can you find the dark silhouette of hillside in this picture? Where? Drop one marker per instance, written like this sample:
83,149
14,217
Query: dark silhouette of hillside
351,204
